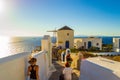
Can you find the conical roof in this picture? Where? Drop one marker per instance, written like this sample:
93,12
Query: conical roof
65,28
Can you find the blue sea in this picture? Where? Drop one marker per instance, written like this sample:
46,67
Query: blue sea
27,44
15,45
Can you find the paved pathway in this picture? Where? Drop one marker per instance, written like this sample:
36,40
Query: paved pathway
59,67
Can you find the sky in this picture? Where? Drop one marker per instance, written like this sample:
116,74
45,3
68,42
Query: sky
36,17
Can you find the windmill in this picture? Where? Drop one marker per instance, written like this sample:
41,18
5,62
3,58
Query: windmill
54,35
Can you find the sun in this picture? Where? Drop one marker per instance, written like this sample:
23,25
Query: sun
2,6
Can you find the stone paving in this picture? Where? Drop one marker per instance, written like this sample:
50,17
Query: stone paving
59,67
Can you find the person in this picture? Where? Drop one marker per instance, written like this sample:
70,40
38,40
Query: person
59,54
67,71
33,69
80,57
68,58
63,56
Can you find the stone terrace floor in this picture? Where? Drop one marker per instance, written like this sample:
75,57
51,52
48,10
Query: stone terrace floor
59,67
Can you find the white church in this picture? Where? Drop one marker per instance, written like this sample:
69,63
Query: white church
65,39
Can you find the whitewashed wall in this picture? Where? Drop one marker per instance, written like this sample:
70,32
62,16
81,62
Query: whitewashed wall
116,44
42,61
79,42
99,69
63,37
47,46
13,67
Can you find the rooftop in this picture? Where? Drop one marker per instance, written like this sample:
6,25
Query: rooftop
114,66
65,28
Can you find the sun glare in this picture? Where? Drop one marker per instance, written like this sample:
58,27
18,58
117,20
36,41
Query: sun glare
2,6
4,46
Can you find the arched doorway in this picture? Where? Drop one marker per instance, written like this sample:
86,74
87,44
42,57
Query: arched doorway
67,44
89,44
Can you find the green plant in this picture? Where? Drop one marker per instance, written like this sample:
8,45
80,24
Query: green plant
107,47
74,50
86,55
116,58
93,49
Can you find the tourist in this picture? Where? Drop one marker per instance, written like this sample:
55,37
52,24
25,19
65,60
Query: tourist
68,58
59,54
80,56
67,71
33,69
63,56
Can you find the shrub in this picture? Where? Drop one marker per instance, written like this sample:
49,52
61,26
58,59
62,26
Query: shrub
74,50
86,55
107,47
93,49
116,58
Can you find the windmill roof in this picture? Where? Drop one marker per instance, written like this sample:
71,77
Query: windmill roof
65,28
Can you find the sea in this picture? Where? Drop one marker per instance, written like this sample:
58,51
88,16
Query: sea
14,45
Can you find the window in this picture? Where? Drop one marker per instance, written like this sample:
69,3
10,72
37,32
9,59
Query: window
67,34
97,44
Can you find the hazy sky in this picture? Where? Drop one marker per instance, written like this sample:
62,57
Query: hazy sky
35,17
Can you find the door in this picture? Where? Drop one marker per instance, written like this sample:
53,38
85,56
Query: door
67,44
89,44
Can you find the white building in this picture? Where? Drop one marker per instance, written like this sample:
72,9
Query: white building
65,37
116,44
86,43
